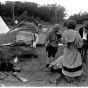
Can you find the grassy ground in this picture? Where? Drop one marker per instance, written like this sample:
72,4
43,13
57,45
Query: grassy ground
35,69
38,75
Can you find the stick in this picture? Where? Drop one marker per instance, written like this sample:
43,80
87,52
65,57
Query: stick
19,77
19,23
12,29
53,42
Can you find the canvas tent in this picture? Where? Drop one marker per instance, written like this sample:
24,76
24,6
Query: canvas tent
44,29
3,31
42,37
25,35
3,27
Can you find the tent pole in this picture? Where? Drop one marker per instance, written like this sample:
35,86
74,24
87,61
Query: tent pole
14,40
55,12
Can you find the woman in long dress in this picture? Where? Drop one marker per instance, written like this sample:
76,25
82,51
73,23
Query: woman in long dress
72,60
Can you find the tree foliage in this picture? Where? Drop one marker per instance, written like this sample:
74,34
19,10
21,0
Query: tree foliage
80,17
31,11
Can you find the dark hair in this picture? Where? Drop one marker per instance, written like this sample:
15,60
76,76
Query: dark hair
71,24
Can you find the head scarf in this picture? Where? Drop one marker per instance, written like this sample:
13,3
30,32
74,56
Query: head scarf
56,27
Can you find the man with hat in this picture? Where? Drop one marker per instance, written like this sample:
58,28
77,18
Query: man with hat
83,31
52,43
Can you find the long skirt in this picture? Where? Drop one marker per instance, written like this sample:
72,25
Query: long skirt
72,63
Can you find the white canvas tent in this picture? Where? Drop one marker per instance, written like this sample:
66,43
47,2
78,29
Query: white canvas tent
24,36
22,33
27,36
3,27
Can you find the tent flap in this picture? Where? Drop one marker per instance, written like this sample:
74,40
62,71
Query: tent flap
3,27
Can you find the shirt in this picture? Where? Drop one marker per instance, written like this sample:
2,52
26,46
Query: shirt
84,35
52,38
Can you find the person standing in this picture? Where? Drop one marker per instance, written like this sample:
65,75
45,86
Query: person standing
52,43
83,31
72,61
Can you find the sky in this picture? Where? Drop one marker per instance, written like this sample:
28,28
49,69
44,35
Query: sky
71,6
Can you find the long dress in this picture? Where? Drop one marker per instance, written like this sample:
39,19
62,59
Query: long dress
72,60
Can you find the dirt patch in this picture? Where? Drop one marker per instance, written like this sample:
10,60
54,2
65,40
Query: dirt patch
35,71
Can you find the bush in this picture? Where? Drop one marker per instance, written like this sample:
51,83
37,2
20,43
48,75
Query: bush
8,20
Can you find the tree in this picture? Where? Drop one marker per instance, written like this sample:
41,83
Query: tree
80,17
32,11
